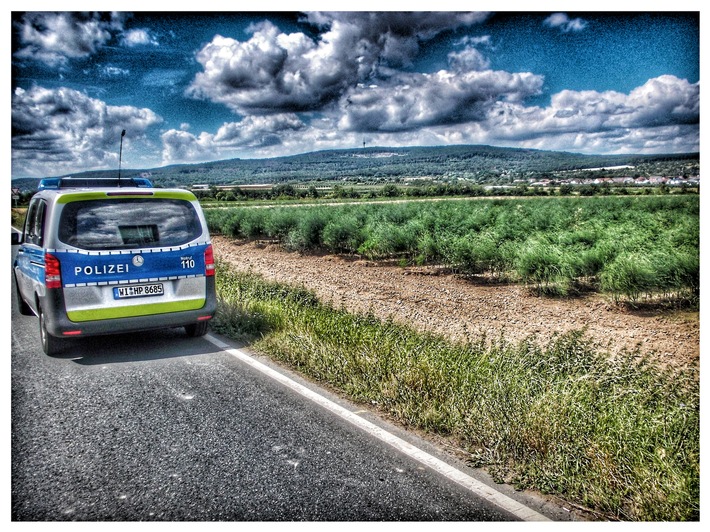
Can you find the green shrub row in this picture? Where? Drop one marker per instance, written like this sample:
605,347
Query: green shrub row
626,246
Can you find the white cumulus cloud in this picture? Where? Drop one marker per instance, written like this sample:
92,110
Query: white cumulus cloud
413,101
663,108
138,37
253,133
275,72
55,38
58,129
564,23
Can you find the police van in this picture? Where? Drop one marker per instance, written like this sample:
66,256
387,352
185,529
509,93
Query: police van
105,256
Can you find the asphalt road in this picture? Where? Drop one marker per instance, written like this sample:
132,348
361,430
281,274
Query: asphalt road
159,426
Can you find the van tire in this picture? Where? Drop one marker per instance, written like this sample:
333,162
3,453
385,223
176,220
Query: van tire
50,344
196,329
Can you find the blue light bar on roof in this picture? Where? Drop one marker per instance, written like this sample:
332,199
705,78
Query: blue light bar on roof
50,183
56,183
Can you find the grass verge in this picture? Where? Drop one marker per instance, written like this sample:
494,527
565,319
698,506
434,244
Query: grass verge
617,435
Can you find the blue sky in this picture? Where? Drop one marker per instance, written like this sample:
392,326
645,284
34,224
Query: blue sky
191,87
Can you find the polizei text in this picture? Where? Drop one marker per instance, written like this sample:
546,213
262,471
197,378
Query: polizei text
104,269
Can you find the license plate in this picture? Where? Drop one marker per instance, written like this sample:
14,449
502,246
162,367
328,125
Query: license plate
138,290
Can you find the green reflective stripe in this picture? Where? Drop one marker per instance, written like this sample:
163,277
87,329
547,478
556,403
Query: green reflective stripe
156,193
134,310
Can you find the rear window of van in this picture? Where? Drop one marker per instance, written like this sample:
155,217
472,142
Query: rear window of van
126,223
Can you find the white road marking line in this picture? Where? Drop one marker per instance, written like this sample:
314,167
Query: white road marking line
477,487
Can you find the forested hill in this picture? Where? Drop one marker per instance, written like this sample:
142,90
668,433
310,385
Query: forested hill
481,164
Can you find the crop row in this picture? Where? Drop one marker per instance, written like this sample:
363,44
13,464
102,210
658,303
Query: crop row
629,247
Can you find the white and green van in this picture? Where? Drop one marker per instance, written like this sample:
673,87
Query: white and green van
108,256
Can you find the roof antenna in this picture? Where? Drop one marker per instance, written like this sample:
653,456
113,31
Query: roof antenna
120,154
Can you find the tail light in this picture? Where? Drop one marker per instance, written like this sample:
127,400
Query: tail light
209,261
52,271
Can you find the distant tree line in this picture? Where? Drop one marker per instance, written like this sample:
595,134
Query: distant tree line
391,190
481,165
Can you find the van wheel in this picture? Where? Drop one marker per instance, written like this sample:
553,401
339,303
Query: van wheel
23,307
196,329
50,344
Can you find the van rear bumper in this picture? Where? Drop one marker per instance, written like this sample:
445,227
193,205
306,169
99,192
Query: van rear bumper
58,324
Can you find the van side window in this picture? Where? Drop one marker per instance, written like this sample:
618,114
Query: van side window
34,225
30,220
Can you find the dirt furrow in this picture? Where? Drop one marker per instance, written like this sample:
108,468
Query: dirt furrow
456,307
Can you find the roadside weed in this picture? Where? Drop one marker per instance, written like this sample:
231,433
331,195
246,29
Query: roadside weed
618,434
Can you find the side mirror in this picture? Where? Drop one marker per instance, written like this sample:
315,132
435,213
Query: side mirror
15,238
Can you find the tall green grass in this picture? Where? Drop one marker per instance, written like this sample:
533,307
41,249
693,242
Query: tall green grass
619,435
629,247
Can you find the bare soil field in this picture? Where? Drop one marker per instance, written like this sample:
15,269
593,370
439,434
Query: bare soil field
430,299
